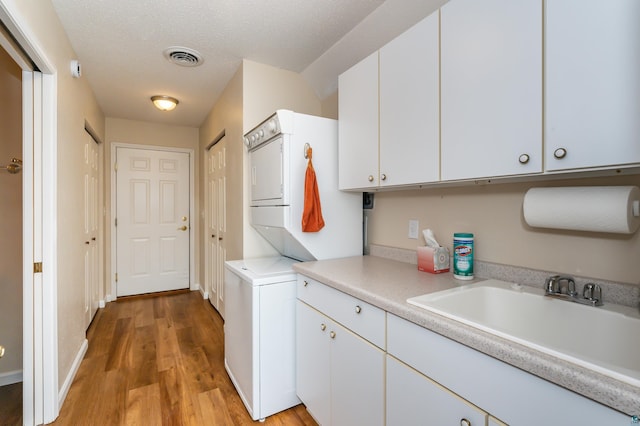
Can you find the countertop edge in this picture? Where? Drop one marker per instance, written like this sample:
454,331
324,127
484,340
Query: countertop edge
605,390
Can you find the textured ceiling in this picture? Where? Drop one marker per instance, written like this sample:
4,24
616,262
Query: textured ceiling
120,45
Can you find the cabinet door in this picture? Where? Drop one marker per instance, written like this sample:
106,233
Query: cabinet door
592,91
495,422
491,77
312,362
357,380
410,106
413,399
358,125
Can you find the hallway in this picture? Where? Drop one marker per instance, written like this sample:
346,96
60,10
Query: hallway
159,361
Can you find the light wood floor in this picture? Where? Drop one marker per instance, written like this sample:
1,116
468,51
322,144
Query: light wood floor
159,361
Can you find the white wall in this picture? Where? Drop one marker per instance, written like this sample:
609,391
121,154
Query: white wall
11,223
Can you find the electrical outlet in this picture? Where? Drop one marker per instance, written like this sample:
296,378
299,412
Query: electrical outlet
413,229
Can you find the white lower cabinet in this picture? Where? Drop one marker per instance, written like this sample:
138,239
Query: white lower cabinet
492,421
414,399
340,375
506,392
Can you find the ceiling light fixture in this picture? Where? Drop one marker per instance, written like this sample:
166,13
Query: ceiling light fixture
164,103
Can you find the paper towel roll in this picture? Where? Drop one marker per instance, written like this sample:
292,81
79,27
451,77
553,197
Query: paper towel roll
584,208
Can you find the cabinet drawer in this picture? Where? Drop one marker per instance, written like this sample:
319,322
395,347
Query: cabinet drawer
360,317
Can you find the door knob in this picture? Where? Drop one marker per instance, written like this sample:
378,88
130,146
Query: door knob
182,228
1,351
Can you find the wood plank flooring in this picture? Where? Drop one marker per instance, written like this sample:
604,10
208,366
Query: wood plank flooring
159,361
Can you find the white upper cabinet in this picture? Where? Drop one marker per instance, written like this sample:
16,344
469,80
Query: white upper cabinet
491,82
389,113
358,125
409,106
592,83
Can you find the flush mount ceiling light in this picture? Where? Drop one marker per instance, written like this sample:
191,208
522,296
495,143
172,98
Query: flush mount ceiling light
164,103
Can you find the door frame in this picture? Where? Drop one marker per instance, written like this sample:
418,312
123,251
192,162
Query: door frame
206,289
192,212
41,397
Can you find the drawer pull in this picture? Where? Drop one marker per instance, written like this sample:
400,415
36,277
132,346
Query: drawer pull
332,334
370,178
465,422
358,309
306,283
323,327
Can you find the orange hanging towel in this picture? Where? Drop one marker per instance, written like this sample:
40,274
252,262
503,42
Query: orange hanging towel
312,220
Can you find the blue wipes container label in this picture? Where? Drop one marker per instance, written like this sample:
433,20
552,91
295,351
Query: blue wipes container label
463,256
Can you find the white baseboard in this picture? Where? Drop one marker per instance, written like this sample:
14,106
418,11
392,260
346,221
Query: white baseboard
62,394
194,286
101,304
205,294
10,377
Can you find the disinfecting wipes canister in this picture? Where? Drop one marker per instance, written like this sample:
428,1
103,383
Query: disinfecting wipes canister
463,256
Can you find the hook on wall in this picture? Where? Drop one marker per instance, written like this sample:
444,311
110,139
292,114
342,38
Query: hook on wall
13,167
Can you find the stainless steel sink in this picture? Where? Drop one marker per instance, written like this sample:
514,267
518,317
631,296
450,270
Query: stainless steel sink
605,339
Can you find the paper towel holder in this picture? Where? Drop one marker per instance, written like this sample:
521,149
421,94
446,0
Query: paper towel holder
606,209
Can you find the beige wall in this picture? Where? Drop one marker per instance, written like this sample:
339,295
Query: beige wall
226,115
494,214
120,130
266,89
11,214
41,20
329,106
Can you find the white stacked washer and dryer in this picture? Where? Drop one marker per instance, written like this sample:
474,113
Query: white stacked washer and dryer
260,293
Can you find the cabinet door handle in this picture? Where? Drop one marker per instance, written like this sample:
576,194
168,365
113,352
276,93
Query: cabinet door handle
358,309
383,177
523,159
332,334
560,153
323,327
370,178
305,283
465,422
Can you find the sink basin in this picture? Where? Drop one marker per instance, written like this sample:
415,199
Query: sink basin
604,339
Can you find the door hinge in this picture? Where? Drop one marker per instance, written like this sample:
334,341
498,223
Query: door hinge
37,268
116,277
115,167
116,221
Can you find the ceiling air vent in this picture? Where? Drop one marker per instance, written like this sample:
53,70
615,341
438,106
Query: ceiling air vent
183,56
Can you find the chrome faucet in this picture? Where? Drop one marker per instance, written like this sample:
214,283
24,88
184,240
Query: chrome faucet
564,287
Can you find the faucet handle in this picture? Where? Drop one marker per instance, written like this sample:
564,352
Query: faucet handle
592,292
551,284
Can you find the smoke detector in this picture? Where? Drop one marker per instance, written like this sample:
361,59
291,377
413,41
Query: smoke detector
183,56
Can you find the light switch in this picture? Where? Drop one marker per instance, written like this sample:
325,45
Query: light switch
413,229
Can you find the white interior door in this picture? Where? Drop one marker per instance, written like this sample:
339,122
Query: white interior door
91,172
152,220
216,224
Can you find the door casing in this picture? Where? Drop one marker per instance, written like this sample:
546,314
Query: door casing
192,216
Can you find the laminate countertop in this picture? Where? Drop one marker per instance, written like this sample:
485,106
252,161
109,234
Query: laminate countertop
388,284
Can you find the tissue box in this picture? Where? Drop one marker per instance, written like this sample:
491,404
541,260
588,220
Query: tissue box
434,260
